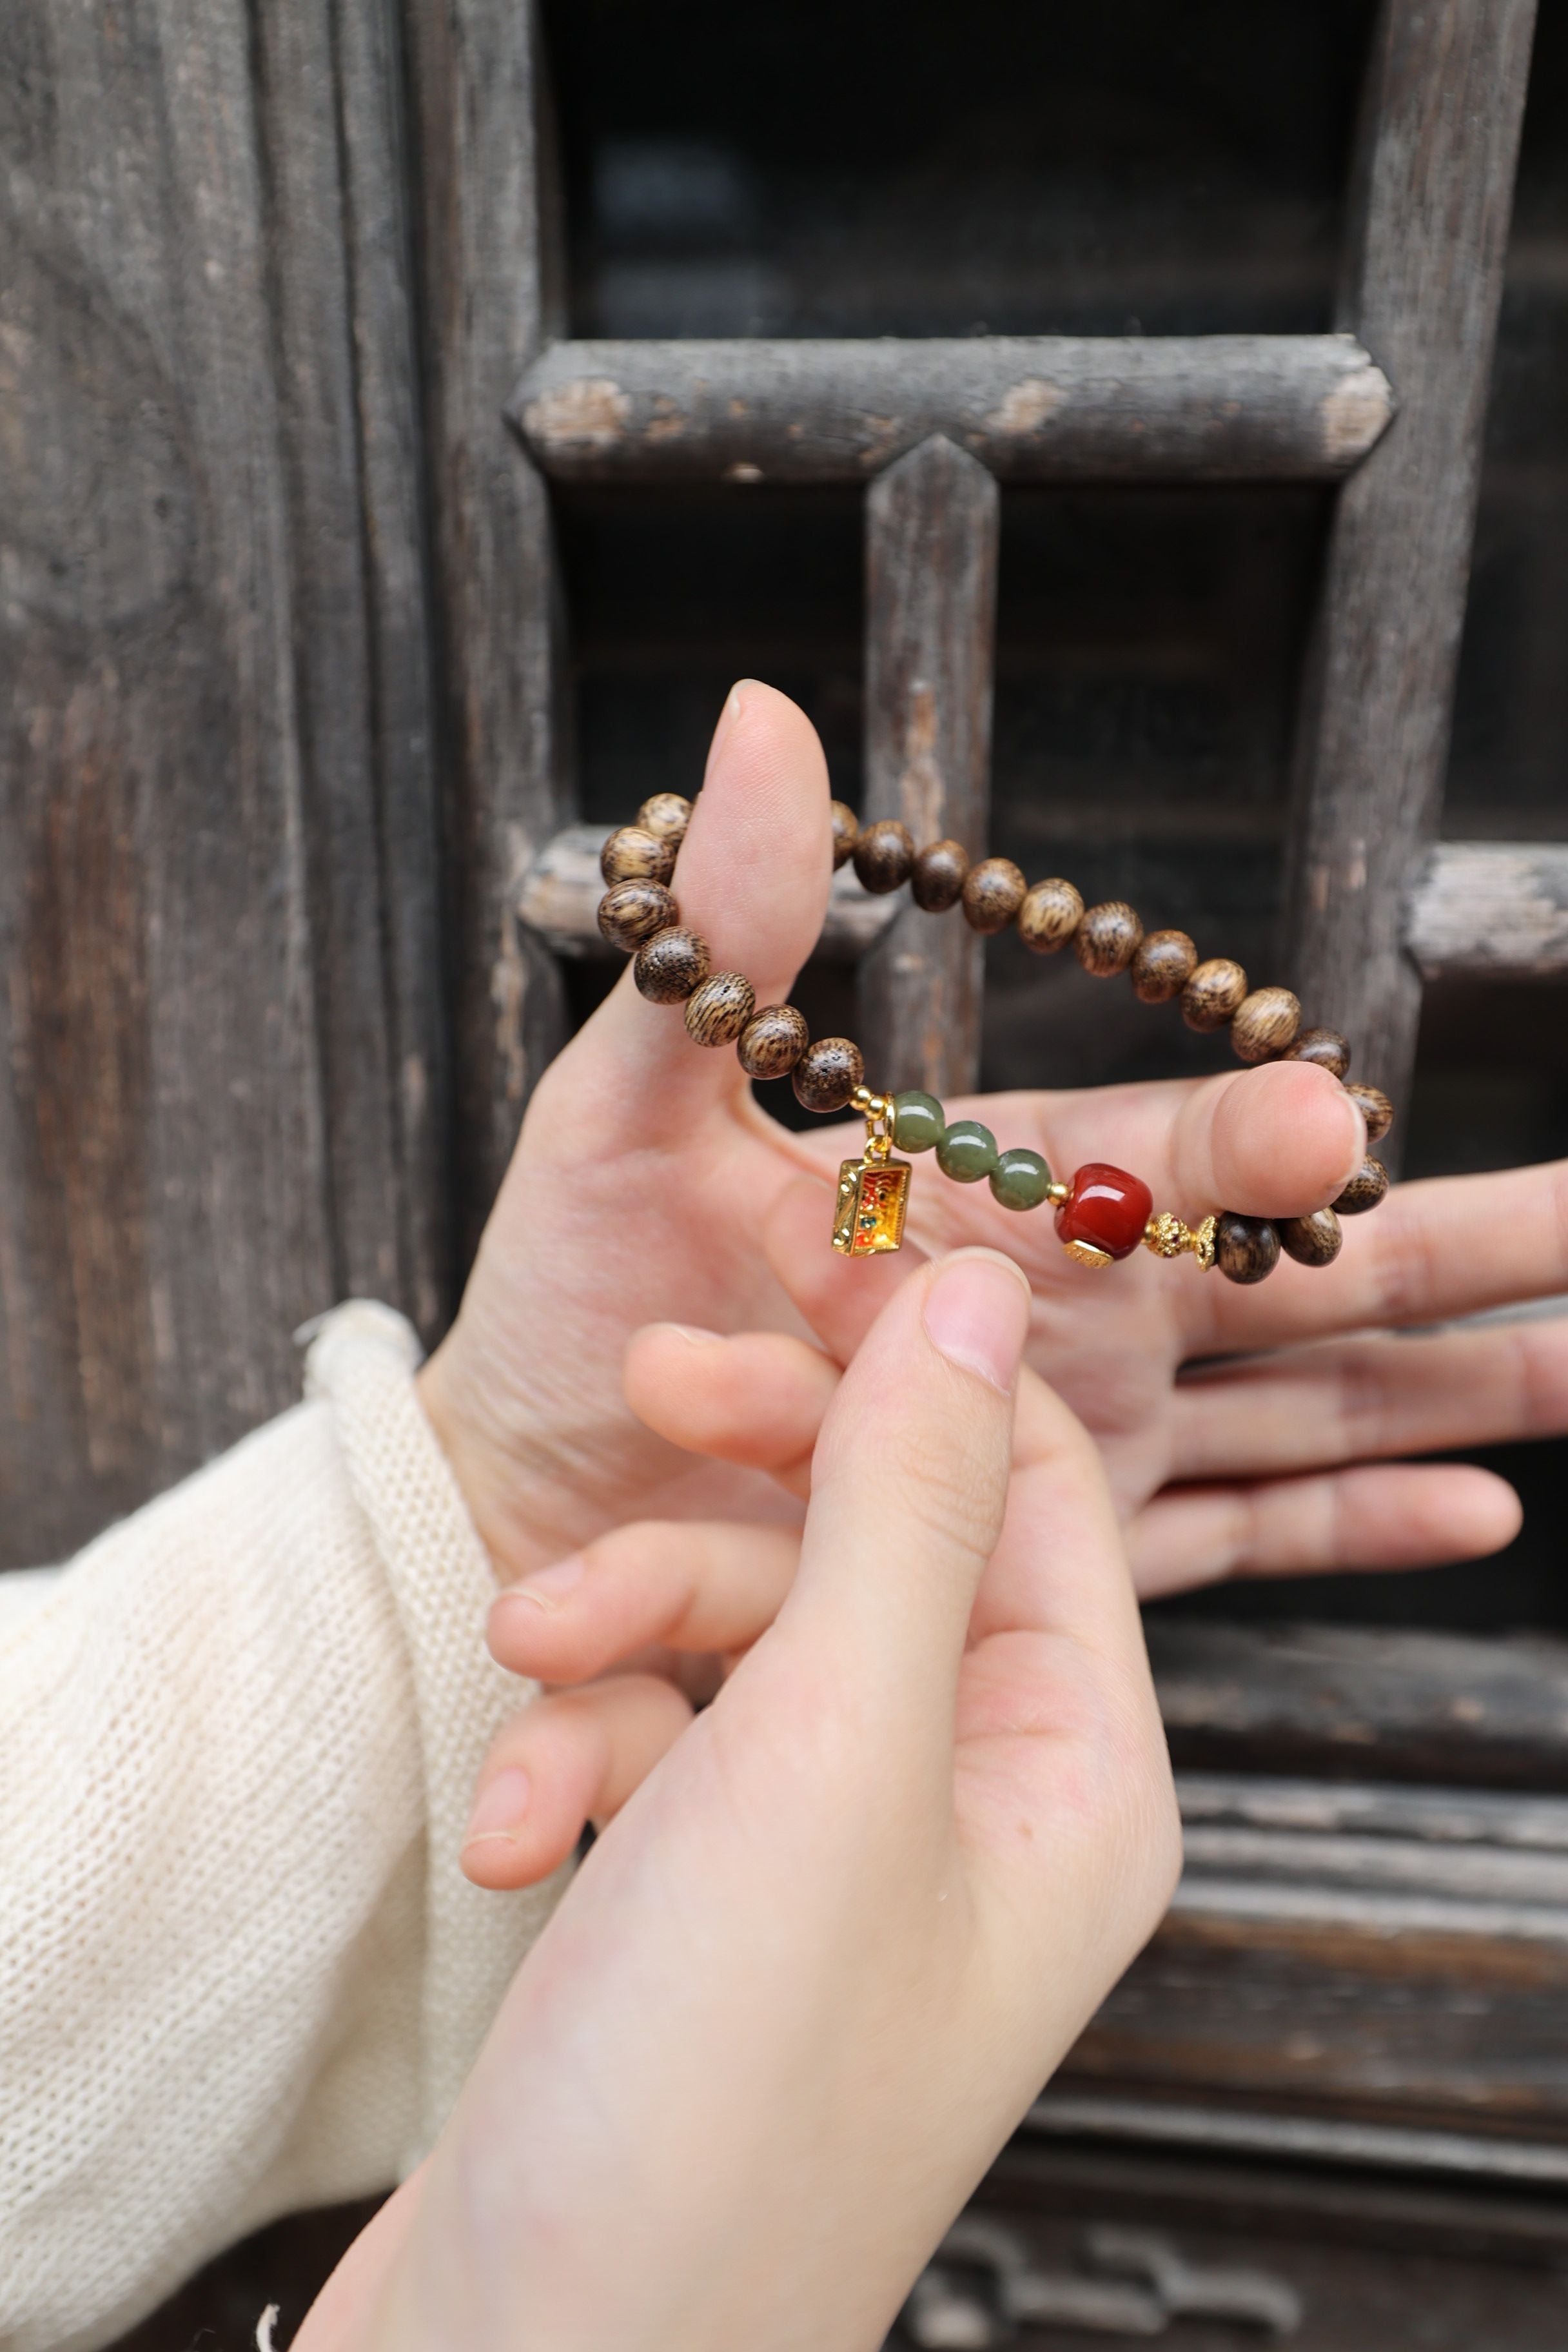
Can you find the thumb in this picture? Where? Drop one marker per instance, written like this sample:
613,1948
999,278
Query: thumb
752,880
910,1488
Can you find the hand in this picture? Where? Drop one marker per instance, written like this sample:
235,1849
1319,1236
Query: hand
646,1174
1246,1432
811,1977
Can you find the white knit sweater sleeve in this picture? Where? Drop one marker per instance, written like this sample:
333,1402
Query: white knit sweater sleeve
240,1971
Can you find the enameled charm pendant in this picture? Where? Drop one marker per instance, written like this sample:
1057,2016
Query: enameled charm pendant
873,1195
873,1191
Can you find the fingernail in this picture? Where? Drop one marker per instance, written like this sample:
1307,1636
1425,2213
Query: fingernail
977,1316
734,704
547,1587
499,1807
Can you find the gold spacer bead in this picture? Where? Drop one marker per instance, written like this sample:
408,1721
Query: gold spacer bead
1166,1235
1057,1194
1088,1255
1203,1242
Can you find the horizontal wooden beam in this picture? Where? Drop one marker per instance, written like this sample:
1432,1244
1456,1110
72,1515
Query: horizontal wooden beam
1490,907
1030,407
1363,1953
1493,909
1380,1705
562,887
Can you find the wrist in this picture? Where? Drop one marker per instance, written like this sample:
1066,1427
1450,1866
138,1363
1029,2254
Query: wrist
488,1463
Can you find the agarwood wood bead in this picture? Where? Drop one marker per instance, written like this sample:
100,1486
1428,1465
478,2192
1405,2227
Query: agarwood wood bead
666,814
1163,966
1214,994
1324,1046
718,1011
633,911
937,881
1050,914
1264,1025
1310,1241
1107,938
827,1074
671,965
1245,1248
846,833
633,856
992,892
884,856
1376,1108
772,1042
1364,1191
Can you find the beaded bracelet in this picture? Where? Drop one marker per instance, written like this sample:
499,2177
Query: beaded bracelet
1103,1213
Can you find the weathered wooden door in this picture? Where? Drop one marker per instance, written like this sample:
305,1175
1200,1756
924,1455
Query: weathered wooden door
323,680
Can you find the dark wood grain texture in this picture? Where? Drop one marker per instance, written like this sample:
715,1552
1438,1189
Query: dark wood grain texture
491,286
1360,1703
223,1079
1372,1953
1422,285
931,524
1031,408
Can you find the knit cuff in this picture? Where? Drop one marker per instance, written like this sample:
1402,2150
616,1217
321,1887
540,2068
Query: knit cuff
362,1362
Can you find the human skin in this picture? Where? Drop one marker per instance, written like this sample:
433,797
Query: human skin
650,1187
812,1975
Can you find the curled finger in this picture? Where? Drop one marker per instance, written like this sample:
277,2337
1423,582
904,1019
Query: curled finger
572,1757
696,1585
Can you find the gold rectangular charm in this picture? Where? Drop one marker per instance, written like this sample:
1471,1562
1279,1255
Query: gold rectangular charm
872,1198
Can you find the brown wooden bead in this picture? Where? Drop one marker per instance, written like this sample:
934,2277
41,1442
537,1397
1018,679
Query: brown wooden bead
772,1042
1163,966
1050,914
1108,938
940,870
884,856
1264,1025
827,1074
1245,1248
671,965
1214,994
992,892
633,911
718,1011
1376,1108
634,856
667,815
846,833
1310,1241
1364,1191
1324,1046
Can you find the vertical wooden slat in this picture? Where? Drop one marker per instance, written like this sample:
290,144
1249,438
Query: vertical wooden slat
329,110
1434,189
489,283
167,1210
931,527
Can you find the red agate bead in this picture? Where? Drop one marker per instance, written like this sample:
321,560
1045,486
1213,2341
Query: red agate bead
1106,1210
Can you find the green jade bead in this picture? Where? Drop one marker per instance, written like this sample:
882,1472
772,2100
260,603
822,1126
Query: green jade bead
919,1124
967,1152
1020,1179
